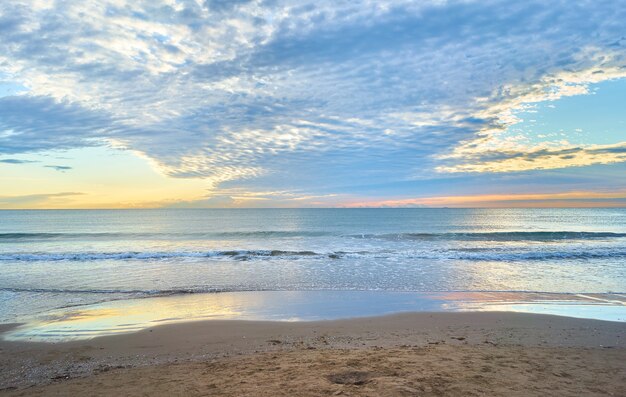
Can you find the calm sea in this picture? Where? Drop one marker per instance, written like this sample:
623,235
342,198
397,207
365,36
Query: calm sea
55,259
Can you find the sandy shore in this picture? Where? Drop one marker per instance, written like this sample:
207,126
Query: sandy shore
405,354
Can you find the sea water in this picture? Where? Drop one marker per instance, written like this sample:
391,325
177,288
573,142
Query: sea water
56,259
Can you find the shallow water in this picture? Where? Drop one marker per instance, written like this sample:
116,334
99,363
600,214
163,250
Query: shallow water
110,318
53,260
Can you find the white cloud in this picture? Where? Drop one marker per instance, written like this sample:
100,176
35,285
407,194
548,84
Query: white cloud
490,151
349,91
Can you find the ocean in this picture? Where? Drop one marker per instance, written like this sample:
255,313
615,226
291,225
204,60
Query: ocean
55,259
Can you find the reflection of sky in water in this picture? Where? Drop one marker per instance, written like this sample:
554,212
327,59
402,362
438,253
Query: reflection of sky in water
127,316
560,308
609,307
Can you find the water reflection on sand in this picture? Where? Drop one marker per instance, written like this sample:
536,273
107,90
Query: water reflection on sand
109,318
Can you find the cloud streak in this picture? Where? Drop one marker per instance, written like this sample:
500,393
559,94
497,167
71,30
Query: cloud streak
16,161
36,200
60,168
560,199
504,160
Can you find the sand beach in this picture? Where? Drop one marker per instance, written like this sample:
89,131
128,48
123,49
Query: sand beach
429,354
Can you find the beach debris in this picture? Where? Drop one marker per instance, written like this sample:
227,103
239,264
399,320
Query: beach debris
274,341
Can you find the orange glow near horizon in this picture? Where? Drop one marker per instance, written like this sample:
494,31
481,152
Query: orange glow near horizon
543,200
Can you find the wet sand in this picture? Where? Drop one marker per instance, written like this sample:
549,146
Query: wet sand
405,354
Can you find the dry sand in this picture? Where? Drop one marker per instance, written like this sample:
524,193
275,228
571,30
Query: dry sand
437,354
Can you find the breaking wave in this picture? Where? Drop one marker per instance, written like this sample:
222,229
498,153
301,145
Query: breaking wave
497,236
463,236
469,254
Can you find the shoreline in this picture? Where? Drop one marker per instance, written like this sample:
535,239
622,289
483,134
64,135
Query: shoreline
132,315
187,347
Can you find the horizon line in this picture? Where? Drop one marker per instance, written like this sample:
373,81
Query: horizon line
301,208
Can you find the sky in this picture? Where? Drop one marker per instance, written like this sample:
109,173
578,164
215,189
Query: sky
271,103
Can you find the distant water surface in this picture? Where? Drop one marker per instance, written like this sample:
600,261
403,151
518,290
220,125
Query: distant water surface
55,259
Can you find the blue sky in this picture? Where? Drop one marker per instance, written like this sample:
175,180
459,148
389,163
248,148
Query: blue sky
190,103
599,117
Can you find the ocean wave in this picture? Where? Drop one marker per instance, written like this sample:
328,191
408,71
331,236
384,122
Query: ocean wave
460,236
137,292
20,236
495,236
109,294
94,256
468,254
539,255
164,235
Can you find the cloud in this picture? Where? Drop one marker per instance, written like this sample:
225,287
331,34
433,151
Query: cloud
36,199
490,151
31,124
236,197
538,158
284,94
61,168
615,198
16,161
